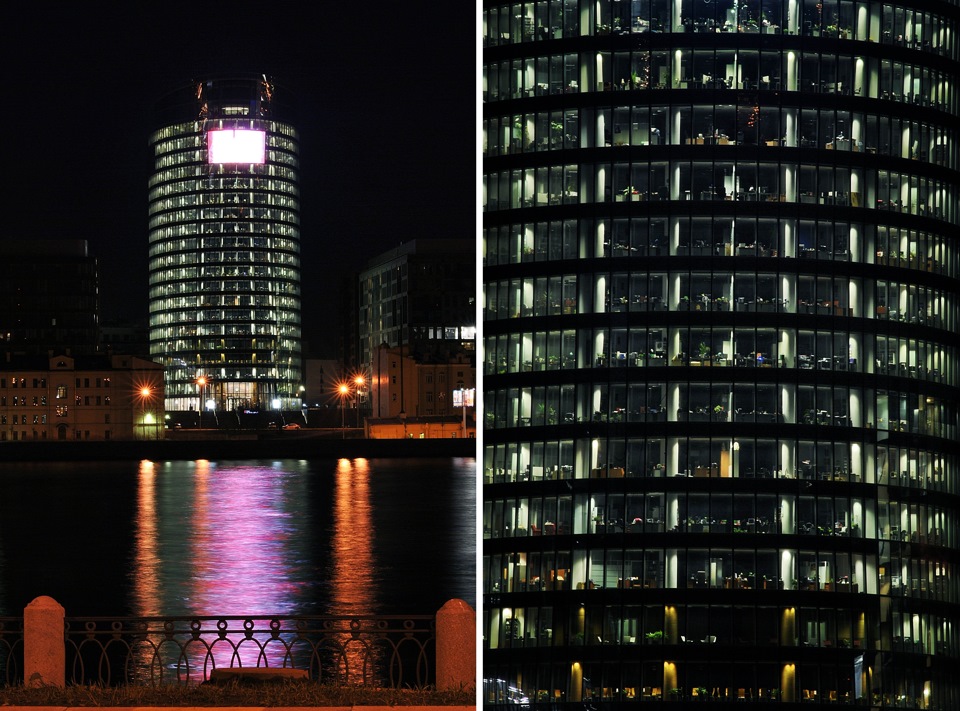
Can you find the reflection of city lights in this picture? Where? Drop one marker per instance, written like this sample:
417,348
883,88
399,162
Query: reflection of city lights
220,538
353,564
353,526
240,539
214,539
146,582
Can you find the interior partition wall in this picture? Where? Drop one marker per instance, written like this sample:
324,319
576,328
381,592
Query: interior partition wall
225,246
721,272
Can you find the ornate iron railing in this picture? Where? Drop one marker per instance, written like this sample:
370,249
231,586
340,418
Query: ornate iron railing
373,651
11,650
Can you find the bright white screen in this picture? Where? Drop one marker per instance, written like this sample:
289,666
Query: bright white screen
236,146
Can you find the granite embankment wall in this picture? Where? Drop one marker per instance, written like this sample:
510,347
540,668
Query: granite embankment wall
281,445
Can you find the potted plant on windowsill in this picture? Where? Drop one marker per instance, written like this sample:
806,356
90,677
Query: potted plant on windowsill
655,637
703,350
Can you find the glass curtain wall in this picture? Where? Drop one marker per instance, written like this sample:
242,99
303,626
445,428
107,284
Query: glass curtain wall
721,286
225,251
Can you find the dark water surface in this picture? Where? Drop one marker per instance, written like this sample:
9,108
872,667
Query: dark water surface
254,537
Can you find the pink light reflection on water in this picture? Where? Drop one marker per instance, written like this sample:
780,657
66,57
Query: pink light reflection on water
242,541
218,540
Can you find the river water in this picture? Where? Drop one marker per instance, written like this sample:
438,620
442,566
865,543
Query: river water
258,537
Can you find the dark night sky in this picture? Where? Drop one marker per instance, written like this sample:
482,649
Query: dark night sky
388,130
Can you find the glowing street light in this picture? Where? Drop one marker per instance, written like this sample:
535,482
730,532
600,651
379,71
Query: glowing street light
343,389
359,381
145,393
202,382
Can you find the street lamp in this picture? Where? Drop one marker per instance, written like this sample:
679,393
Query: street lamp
202,382
359,382
144,396
344,390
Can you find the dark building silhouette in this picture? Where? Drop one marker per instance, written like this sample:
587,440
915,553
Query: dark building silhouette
49,298
720,360
421,296
416,334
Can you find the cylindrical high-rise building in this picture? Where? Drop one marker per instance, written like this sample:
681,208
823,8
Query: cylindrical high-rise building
721,373
225,246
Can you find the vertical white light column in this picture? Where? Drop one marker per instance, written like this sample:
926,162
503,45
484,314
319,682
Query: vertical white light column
792,72
788,567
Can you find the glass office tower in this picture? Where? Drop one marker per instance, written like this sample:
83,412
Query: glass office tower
225,246
721,274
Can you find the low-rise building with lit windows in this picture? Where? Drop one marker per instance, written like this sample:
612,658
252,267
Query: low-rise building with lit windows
81,398
721,376
403,390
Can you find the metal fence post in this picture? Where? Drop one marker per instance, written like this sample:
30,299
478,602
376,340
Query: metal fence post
44,657
456,647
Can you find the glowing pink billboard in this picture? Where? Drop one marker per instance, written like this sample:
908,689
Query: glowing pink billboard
236,145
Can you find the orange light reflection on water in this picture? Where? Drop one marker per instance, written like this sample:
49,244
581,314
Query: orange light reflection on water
353,524
353,566
145,584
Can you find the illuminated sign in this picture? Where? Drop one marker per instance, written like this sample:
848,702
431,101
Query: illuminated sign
236,145
463,397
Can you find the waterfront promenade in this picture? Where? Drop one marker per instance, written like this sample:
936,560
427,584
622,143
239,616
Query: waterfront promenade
51,661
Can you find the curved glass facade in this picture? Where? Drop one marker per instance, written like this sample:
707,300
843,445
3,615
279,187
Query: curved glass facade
225,248
721,373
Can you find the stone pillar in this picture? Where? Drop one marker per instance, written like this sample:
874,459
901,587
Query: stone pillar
456,646
43,643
